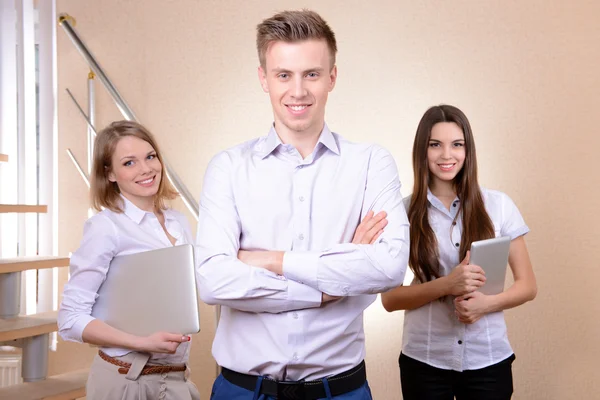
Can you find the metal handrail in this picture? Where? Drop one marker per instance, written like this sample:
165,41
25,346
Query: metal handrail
65,22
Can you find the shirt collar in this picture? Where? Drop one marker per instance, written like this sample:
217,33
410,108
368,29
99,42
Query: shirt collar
430,195
272,142
137,214
435,202
326,139
132,211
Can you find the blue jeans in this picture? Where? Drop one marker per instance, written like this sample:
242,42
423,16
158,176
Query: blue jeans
224,390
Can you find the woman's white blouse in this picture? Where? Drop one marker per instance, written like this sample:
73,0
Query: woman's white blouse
106,235
432,333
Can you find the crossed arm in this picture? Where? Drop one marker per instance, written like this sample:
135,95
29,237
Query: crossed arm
367,232
308,277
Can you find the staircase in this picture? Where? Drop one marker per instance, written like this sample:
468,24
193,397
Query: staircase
31,332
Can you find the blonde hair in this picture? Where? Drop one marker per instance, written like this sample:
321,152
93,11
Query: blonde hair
293,26
103,192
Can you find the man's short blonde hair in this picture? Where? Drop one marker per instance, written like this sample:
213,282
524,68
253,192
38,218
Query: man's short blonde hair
293,26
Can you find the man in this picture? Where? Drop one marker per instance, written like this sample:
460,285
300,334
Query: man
275,236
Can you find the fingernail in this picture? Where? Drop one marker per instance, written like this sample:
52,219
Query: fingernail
189,338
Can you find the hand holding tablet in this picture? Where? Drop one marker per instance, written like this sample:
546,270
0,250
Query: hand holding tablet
492,256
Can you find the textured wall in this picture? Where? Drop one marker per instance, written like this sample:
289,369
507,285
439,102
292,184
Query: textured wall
524,72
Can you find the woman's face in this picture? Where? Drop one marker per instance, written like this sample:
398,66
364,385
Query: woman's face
445,151
136,170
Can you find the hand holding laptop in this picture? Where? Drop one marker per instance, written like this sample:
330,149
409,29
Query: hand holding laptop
149,292
163,342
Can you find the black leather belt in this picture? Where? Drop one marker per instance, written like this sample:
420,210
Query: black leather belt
301,390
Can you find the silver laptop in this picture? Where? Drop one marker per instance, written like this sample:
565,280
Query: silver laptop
151,291
492,256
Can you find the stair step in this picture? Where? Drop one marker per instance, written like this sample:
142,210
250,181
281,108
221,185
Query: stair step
68,386
22,208
3,157
37,262
28,326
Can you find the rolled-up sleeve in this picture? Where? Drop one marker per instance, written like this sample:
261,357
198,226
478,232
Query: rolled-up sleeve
88,268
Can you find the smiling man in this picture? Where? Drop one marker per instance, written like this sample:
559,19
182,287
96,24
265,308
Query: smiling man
280,246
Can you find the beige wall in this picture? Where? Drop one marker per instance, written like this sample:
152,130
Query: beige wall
526,73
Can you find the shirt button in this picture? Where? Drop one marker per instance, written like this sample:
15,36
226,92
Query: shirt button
301,236
453,222
301,198
453,204
460,342
295,315
295,356
457,244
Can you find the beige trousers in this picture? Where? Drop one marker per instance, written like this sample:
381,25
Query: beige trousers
106,383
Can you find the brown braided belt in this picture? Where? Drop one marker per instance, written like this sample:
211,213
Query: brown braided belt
148,370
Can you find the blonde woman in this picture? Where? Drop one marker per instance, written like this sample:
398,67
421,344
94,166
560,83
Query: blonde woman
129,189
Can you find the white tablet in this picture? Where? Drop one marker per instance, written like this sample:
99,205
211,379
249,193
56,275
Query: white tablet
151,291
492,256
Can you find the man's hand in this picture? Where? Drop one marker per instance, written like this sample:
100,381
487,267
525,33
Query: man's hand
370,228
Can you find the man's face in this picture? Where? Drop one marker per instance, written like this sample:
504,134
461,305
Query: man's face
298,77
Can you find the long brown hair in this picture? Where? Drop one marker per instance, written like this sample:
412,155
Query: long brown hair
106,194
477,224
